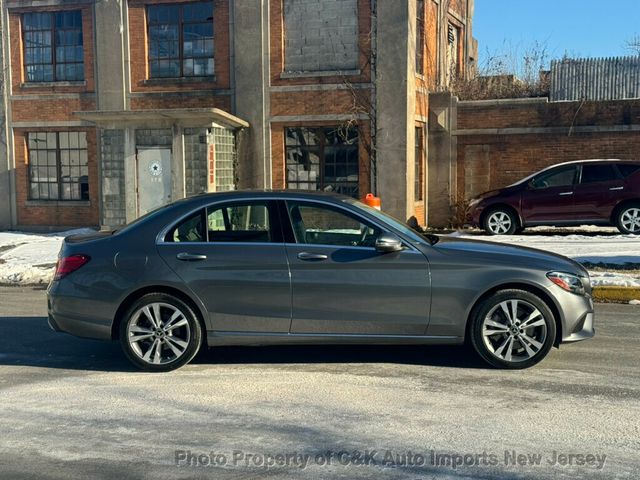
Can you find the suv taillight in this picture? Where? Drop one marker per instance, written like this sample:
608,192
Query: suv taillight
69,264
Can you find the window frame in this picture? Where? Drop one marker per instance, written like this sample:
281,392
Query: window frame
181,24
53,29
421,22
58,166
321,147
419,169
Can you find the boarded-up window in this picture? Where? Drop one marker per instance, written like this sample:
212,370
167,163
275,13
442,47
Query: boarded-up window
320,35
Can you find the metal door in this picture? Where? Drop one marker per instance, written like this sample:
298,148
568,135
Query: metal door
154,178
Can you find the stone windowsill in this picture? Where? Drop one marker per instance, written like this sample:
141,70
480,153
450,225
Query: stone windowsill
82,83
58,203
179,80
321,73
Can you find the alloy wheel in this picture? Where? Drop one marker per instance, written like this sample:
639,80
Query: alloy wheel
630,219
514,330
499,222
158,333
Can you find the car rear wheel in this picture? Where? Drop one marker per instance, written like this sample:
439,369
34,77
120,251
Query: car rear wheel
512,329
500,221
160,332
628,220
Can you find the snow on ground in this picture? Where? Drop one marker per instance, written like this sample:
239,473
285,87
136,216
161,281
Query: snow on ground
589,245
28,258
605,248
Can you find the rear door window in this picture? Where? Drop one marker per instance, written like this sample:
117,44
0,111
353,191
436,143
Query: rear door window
627,169
598,173
240,222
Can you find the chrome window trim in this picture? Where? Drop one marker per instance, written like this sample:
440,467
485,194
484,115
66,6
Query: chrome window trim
160,237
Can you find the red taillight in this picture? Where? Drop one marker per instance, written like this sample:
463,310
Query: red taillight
69,264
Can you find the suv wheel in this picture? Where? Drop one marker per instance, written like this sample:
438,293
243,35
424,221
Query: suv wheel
512,329
160,332
628,219
500,221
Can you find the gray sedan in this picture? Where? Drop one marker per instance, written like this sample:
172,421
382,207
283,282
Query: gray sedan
257,268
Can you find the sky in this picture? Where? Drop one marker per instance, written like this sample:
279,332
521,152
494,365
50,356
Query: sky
580,28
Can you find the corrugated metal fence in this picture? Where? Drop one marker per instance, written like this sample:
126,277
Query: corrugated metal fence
615,78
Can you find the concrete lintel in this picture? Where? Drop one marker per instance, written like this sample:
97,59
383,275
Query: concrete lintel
548,130
317,118
501,102
47,124
321,87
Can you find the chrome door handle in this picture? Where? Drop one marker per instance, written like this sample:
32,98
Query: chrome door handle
616,188
312,257
190,257
565,193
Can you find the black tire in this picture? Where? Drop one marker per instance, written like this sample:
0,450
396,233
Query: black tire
512,346
628,219
500,221
179,331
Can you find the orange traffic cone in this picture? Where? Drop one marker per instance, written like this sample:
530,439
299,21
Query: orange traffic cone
373,201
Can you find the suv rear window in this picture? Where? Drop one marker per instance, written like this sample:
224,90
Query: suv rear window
598,173
627,169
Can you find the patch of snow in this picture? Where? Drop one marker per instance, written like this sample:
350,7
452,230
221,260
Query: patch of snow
30,258
634,302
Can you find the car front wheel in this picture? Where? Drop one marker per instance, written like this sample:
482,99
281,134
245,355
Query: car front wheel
160,332
628,220
500,221
512,329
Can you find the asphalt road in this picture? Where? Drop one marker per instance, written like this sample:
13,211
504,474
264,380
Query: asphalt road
73,408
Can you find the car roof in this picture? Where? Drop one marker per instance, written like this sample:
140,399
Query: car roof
261,193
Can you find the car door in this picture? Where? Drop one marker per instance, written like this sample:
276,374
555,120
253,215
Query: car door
549,196
596,193
232,256
342,285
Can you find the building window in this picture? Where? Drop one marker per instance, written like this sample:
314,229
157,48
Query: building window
180,40
419,165
323,159
420,37
58,166
453,45
53,50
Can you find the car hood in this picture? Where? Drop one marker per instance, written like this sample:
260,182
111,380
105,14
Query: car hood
508,254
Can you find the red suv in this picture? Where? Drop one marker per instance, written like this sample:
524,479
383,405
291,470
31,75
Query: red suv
597,192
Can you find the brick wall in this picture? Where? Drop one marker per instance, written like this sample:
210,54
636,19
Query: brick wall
538,134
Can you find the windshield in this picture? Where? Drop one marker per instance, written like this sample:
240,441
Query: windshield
395,223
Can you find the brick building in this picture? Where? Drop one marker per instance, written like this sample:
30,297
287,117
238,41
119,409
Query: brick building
116,107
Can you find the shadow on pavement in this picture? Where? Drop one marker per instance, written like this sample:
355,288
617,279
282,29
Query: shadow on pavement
32,343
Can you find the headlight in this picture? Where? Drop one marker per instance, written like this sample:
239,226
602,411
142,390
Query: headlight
567,281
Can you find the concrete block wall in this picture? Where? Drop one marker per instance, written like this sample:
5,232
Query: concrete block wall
195,160
320,35
112,169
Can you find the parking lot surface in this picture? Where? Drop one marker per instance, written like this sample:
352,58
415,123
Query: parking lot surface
74,408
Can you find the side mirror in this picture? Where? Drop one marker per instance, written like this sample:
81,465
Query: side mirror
388,242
